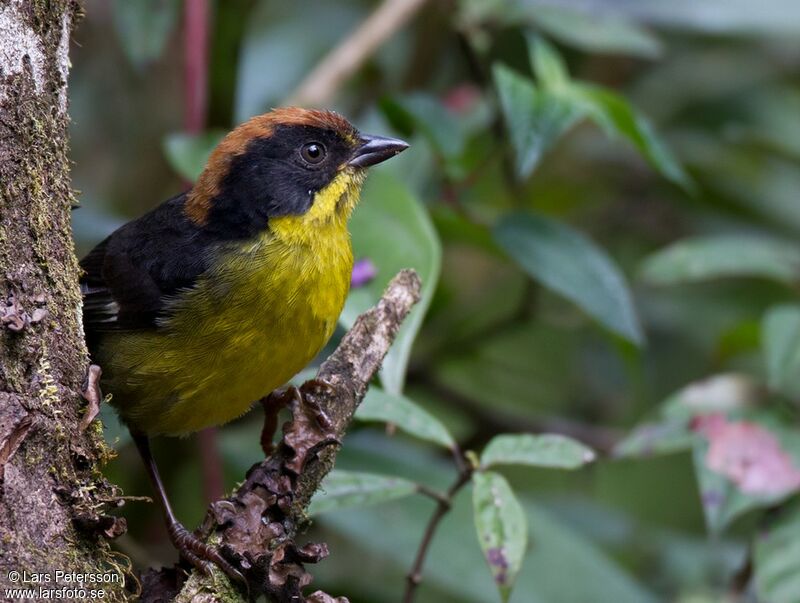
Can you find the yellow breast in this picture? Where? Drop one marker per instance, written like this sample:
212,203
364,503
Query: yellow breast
255,320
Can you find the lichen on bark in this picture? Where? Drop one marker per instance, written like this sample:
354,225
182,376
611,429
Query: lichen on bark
53,497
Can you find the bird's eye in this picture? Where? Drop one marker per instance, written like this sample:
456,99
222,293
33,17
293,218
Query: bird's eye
313,152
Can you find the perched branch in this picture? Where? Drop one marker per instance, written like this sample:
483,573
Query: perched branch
256,527
320,86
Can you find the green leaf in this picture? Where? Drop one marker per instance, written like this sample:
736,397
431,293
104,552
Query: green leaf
405,414
438,125
392,228
548,65
567,262
347,489
535,118
188,154
777,560
502,528
781,343
618,119
511,367
455,569
581,26
670,431
716,17
728,393
598,32
548,450
718,256
281,36
650,439
143,27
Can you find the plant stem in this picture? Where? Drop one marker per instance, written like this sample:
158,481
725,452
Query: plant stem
443,505
196,24
320,86
196,18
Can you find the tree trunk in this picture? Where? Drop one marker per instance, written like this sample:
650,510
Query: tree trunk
52,495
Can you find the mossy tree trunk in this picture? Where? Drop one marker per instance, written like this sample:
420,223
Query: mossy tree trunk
52,496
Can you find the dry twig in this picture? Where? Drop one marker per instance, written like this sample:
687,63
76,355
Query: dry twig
320,86
443,505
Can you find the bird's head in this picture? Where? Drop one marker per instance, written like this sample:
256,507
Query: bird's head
306,165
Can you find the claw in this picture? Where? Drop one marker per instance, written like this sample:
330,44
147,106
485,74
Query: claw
317,387
195,561
190,547
200,555
323,420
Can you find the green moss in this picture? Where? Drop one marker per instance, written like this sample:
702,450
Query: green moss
45,363
217,586
33,456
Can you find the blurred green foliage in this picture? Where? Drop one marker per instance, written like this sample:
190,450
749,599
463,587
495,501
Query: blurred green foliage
602,199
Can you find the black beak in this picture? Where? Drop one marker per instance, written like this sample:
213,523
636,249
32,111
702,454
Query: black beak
375,149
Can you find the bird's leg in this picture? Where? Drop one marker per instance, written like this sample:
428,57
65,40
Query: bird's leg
191,548
273,403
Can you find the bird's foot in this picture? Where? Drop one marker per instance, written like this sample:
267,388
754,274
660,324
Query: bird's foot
311,429
308,394
200,555
303,398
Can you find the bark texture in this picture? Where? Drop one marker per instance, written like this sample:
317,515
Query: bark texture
52,496
257,526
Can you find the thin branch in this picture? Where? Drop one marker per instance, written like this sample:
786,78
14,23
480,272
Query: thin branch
458,458
431,493
255,528
443,506
742,577
320,86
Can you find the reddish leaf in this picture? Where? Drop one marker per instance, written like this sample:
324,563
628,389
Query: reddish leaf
749,455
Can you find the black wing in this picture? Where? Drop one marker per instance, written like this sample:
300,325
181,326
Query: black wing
129,276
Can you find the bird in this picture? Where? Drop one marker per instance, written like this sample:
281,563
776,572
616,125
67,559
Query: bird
221,294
